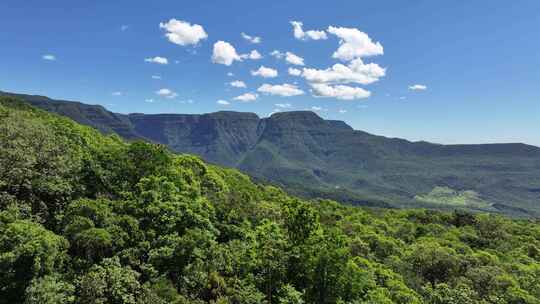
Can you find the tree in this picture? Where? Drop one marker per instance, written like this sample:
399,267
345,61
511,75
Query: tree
432,262
109,282
270,254
289,295
445,294
490,280
331,255
27,251
50,289
356,281
38,165
93,244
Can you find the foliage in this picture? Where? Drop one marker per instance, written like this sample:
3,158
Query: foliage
87,218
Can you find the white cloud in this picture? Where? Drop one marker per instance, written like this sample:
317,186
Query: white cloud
316,35
223,102
354,44
356,71
341,111
252,39
118,93
283,105
418,87
238,84
253,55
402,98
294,59
224,53
277,54
124,27
289,57
274,112
285,90
342,92
265,72
49,57
156,77
167,93
157,59
294,72
315,108
230,74
149,100
299,33
182,32
246,97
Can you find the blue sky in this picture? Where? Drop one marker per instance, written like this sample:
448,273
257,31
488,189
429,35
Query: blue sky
475,64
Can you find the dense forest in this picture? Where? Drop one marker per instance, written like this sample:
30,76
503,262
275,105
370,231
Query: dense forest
87,218
310,157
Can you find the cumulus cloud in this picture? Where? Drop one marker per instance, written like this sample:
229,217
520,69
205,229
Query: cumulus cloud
342,92
167,93
223,102
252,39
418,87
294,59
285,90
49,57
118,93
283,105
238,84
230,74
265,72
356,71
247,97
182,32
294,72
290,57
299,33
157,59
277,54
253,55
156,77
224,53
354,44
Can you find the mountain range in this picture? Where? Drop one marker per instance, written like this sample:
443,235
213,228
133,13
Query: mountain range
313,157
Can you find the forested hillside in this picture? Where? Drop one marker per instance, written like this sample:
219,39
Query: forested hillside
87,218
312,157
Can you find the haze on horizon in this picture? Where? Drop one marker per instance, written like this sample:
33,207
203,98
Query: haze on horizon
454,72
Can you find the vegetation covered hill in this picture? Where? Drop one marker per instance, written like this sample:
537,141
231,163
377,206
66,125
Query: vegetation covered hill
312,157
87,218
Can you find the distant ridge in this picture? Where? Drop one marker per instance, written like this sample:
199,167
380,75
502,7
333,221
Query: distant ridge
314,157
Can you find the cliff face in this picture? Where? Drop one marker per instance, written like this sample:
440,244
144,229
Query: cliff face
323,158
221,137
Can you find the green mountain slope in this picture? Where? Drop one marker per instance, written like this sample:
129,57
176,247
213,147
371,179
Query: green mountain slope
313,157
88,218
